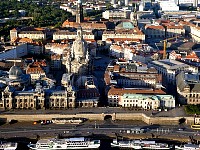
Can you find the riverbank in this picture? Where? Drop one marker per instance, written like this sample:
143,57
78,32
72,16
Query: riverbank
109,137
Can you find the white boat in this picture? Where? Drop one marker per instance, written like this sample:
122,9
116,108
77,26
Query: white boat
8,146
68,120
126,144
188,146
140,144
156,146
65,144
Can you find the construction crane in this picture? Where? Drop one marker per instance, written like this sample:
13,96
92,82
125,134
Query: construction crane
165,45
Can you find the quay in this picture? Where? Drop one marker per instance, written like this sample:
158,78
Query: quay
100,116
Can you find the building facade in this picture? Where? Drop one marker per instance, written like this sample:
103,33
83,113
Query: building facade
114,94
124,34
151,102
78,59
188,88
170,68
14,51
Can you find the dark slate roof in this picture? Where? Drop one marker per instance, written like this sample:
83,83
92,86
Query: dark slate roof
195,87
180,81
131,68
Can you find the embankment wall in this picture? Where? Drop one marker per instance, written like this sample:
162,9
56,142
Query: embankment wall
115,116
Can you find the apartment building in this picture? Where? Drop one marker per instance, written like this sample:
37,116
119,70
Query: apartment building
114,94
144,101
154,31
191,28
31,33
116,14
125,34
64,34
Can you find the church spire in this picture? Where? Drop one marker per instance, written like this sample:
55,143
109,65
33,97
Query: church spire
79,12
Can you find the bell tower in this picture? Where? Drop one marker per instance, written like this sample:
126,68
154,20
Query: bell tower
79,12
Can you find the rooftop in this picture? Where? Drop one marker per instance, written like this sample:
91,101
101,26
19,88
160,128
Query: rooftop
170,64
121,91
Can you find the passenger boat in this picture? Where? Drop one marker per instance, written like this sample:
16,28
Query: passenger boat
156,146
68,120
188,146
126,144
65,144
140,144
8,145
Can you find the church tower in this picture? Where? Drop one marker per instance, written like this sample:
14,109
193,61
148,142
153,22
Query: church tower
135,16
79,12
79,47
78,61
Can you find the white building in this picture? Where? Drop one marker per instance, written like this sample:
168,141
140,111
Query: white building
187,2
147,101
120,14
141,6
32,34
170,68
168,5
113,2
126,2
174,30
115,94
63,34
56,48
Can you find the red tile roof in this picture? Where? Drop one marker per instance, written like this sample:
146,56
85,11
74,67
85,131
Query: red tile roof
121,91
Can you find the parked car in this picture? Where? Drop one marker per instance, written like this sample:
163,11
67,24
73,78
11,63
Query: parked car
45,122
181,129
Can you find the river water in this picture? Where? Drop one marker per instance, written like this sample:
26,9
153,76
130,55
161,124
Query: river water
105,143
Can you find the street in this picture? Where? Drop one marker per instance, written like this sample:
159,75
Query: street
107,127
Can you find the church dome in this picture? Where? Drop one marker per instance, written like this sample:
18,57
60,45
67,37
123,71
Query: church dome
79,46
15,72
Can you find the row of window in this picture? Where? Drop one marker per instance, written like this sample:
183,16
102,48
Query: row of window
194,100
193,95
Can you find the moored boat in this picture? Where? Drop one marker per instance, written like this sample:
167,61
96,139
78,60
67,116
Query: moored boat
8,145
65,144
125,144
188,146
140,144
156,146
